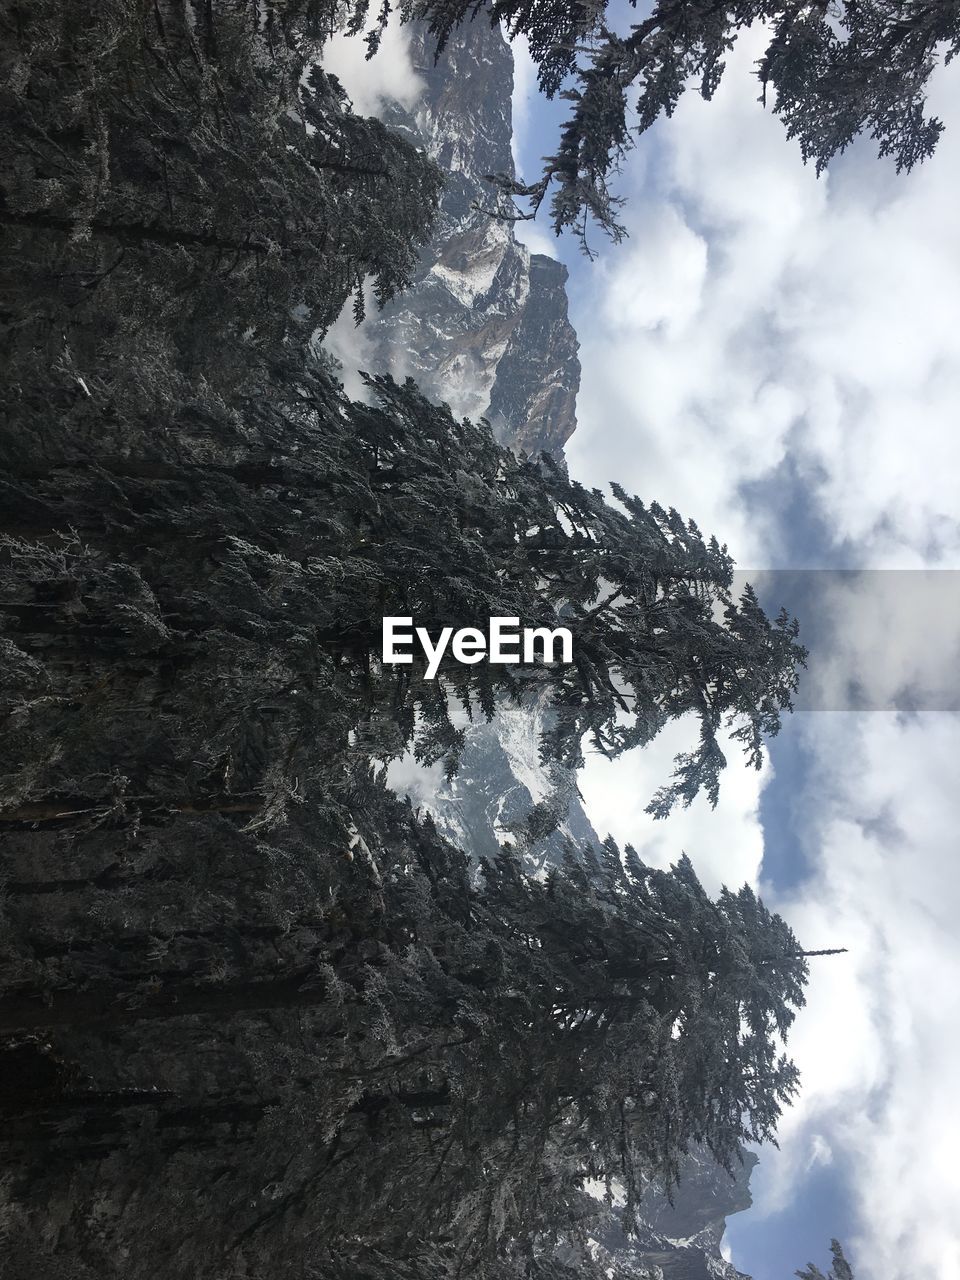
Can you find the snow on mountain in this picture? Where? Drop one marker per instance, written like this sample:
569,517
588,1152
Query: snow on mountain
485,325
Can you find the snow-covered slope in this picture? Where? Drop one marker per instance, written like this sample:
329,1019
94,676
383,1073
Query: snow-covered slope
499,781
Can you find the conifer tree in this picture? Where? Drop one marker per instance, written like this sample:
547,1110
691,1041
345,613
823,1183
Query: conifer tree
841,1269
423,1071
183,191
257,1017
234,563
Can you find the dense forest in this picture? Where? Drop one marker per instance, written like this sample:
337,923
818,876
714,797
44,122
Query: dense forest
257,1017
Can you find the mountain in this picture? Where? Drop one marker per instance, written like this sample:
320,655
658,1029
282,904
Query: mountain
499,782
680,1235
485,327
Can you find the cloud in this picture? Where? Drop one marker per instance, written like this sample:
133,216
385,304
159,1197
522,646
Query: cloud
387,77
524,93
760,323
419,783
535,238
879,1040
877,640
821,1152
351,344
725,844
658,288
823,327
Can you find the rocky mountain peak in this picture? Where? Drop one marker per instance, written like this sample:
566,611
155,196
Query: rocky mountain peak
485,326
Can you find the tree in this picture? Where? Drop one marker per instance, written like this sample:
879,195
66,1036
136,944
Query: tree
463,531
257,1018
675,1006
382,1059
183,191
184,475
831,71
230,572
840,1270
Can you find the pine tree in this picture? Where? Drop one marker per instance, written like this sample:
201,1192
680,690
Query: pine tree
421,1070
661,1011
250,1001
237,565
184,191
840,1270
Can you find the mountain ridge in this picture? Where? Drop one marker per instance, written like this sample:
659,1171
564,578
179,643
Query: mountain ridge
485,325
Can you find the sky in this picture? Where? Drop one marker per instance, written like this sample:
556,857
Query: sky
778,357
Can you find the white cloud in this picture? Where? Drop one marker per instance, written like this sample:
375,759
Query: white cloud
387,77
725,844
419,783
759,315
821,1153
524,91
535,238
879,1040
658,284
350,343
891,633
826,325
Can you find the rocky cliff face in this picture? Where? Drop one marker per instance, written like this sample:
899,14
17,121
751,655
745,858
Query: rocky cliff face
485,326
681,1240
486,329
